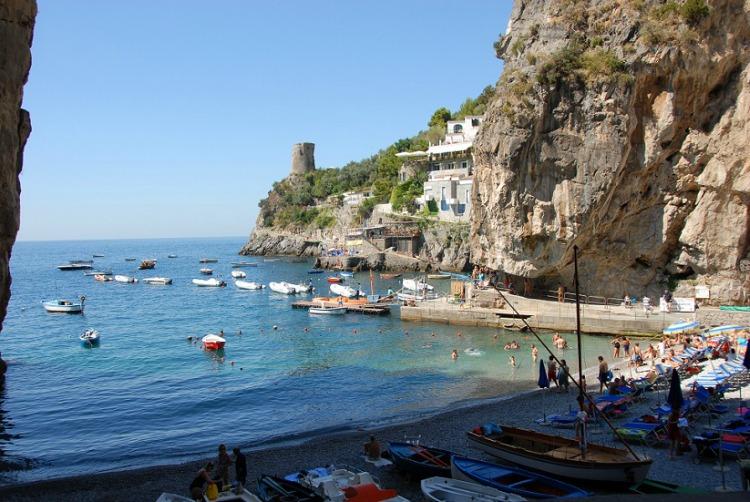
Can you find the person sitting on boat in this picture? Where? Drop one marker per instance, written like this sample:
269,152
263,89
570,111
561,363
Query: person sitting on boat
198,485
372,449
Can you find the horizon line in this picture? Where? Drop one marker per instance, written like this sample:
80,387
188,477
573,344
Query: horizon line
134,238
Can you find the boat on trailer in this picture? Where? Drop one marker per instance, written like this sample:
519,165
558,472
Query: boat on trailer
439,489
511,479
560,456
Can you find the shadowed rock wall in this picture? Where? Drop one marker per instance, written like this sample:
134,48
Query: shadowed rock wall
16,30
621,126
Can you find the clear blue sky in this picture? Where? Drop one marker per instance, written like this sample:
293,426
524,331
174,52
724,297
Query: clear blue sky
172,118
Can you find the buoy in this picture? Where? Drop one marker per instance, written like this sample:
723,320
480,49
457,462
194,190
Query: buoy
275,327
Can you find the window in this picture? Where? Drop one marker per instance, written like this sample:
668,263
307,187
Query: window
450,165
475,122
434,166
458,128
464,164
442,193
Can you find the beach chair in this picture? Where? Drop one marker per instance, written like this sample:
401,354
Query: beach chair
707,446
649,434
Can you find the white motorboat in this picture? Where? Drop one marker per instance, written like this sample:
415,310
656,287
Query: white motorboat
327,310
212,282
413,296
77,265
89,337
439,489
282,287
207,271
238,274
161,281
301,288
346,291
65,306
238,264
125,279
98,272
248,285
227,496
332,484
416,285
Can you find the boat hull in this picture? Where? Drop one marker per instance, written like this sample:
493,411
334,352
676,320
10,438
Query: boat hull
209,283
252,286
421,461
213,342
327,310
158,281
57,308
589,470
440,489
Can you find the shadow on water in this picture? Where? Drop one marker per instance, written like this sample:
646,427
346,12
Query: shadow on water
9,464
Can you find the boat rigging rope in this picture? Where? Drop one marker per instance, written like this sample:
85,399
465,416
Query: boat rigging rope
577,384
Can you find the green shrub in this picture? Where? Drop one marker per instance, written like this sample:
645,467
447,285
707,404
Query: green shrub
405,193
365,209
560,65
602,63
693,11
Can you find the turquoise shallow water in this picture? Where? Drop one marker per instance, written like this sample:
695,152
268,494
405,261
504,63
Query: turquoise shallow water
148,396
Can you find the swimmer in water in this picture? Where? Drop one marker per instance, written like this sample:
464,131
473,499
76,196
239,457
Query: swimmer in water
454,354
513,361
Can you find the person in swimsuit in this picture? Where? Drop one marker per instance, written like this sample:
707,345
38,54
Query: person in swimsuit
603,370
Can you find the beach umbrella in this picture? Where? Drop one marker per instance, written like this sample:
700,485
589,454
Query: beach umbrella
680,327
728,328
674,398
543,383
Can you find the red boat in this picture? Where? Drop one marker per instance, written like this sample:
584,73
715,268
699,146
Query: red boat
213,342
335,280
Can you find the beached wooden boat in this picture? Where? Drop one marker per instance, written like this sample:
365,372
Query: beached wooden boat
227,496
512,479
420,461
209,283
64,306
559,456
248,285
653,487
389,276
440,489
275,489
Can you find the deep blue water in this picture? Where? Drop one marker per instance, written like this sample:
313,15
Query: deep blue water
148,396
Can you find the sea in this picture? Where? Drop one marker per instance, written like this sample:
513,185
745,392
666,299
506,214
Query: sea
148,395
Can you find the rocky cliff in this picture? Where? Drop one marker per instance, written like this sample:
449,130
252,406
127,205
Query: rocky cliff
16,29
621,126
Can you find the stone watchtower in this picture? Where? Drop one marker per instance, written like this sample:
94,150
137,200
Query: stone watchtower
303,158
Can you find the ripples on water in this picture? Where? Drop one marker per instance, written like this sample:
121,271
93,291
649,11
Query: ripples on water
147,395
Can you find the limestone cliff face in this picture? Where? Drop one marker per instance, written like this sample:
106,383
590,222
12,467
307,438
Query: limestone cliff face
16,29
621,126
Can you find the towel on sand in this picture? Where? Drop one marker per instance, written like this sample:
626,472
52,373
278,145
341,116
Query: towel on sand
381,462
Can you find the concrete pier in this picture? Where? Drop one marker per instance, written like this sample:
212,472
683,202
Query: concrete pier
484,309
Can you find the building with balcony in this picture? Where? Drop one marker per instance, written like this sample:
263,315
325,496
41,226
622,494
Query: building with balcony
450,169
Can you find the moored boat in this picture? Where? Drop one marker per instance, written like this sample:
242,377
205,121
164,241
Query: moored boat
346,274
416,285
208,260
213,342
238,264
334,280
160,281
210,283
64,306
248,285
238,274
275,489
438,276
171,256
413,296
389,276
89,338
206,271
147,265
346,291
98,272
512,479
301,288
129,259
559,456
327,310
76,265
102,278
125,279
315,271
439,489
282,287
420,461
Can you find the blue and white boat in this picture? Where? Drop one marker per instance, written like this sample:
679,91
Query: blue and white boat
420,461
315,271
512,480
346,274
64,306
681,327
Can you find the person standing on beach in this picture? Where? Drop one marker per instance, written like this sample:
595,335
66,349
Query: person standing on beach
673,431
222,465
240,466
616,347
626,346
552,371
603,370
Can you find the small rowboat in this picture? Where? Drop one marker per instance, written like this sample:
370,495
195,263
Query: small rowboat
213,342
512,480
315,271
206,271
440,489
147,265
238,264
327,310
238,274
346,274
275,489
210,283
248,285
171,256
126,279
335,280
389,276
208,260
420,461
89,338
559,456
64,306
438,276
160,281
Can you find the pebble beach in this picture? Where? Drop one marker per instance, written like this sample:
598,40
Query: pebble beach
446,430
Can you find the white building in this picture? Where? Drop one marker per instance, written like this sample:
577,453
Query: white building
450,167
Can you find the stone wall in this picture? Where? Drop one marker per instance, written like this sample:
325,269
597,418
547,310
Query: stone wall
16,29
